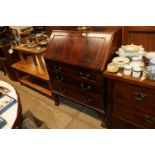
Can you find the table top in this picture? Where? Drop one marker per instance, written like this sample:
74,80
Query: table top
10,115
142,81
27,50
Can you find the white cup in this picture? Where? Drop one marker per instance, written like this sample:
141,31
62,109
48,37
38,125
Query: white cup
127,69
136,72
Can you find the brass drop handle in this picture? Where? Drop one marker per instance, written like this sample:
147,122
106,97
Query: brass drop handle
80,73
57,68
85,87
87,100
87,76
149,119
63,89
84,75
139,96
58,78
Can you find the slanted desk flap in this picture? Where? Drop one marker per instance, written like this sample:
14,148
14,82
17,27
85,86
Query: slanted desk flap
79,48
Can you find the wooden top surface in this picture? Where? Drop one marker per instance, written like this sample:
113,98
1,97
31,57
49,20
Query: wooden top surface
31,69
142,81
29,50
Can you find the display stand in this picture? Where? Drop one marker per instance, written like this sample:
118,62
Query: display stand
31,70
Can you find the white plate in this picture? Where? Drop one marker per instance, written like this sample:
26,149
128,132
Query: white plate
131,48
122,53
150,55
120,61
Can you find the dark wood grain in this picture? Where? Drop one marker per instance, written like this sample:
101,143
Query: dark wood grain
130,102
131,34
75,61
140,35
83,49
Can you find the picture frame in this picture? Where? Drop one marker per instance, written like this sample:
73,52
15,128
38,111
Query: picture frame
6,102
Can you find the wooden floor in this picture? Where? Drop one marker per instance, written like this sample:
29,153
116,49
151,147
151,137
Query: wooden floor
68,115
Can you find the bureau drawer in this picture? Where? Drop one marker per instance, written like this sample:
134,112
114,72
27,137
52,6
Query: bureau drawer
144,119
125,111
134,114
80,85
140,118
74,72
56,67
66,91
134,104
138,97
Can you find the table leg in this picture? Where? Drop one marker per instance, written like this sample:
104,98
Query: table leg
41,62
17,75
21,56
35,60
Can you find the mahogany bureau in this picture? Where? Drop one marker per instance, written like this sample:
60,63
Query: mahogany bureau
75,61
131,102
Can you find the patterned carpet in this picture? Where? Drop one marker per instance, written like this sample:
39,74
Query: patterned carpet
67,115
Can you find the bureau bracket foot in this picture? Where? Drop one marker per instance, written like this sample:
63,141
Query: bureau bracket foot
103,117
56,99
103,125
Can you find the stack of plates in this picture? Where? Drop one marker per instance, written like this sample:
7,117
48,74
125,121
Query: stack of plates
131,51
131,48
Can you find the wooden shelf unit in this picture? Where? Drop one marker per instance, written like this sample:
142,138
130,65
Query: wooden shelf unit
26,80
30,69
30,72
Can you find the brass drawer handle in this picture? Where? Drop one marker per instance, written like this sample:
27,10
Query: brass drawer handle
87,100
85,87
57,68
58,78
149,119
63,89
139,96
84,75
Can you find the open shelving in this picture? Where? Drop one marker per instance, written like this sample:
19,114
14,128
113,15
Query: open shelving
33,76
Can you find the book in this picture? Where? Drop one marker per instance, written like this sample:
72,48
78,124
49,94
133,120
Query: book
6,102
3,122
4,89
